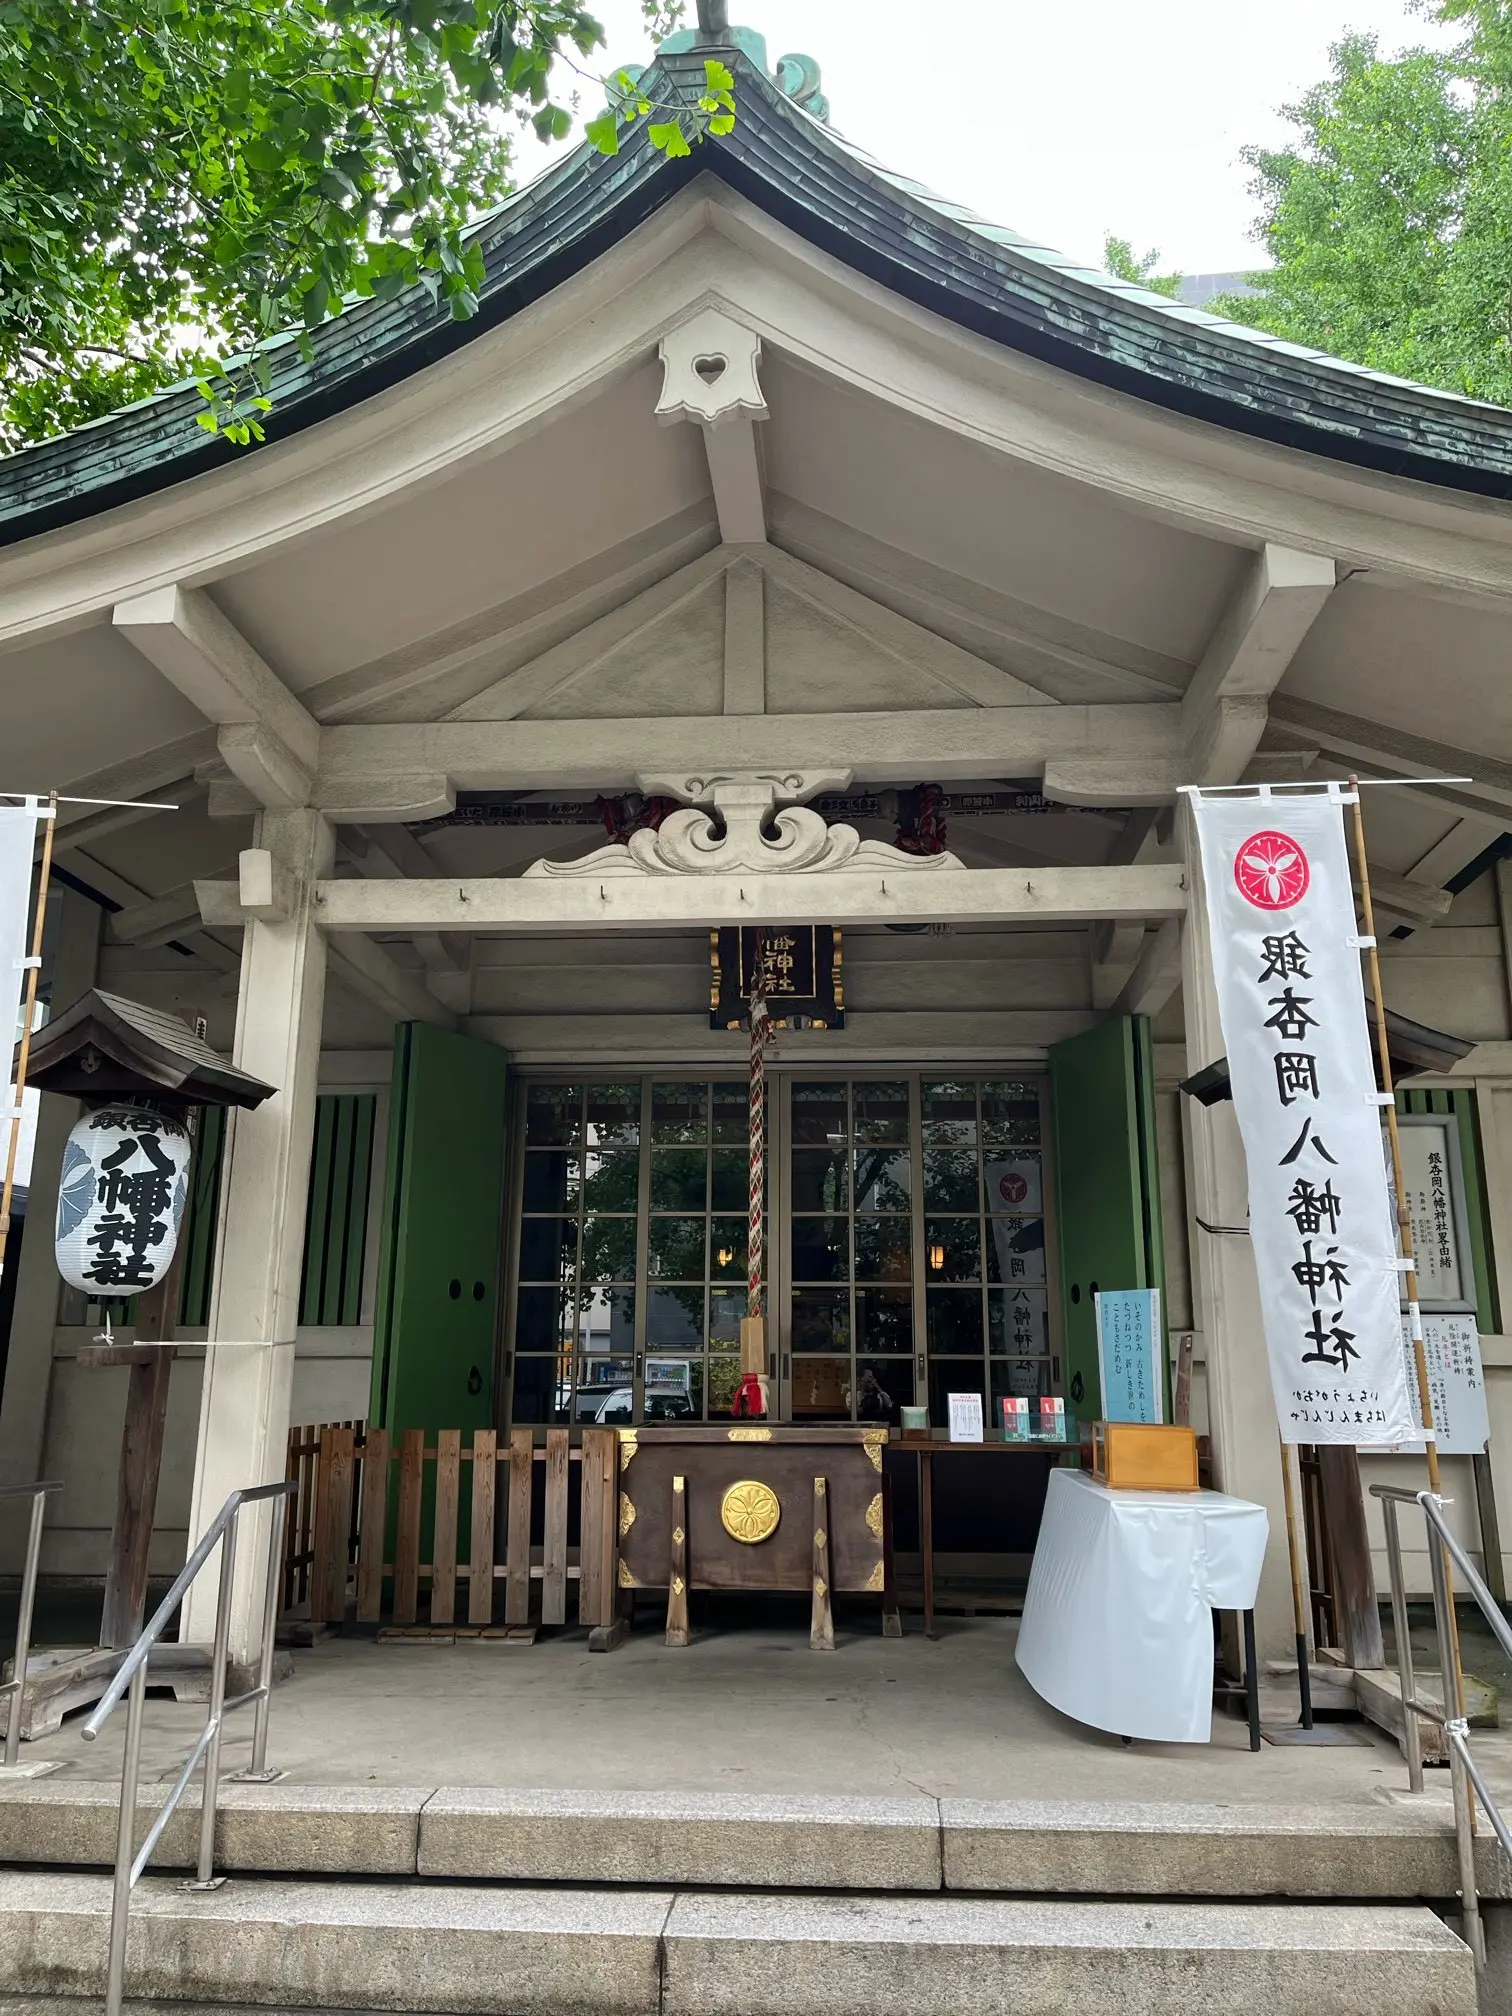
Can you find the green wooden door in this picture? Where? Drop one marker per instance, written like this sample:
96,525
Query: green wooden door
440,1261
1107,1183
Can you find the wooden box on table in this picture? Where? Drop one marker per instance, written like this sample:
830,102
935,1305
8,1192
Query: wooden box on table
1144,1456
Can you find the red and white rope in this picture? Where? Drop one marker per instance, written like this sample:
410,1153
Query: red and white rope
760,1029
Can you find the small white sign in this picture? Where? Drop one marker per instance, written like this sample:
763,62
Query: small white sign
1456,1385
1427,1164
966,1417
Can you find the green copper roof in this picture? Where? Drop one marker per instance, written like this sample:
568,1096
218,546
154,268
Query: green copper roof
781,157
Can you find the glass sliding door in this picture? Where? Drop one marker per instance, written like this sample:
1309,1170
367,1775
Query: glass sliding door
630,1271
696,1290
916,1258
851,1259
987,1305
574,1327
909,1260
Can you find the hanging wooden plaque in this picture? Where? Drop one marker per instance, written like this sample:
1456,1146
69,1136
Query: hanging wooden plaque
801,972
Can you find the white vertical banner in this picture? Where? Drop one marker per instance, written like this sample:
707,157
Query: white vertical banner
18,839
1286,959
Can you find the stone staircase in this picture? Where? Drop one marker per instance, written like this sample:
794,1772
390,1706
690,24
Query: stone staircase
541,1904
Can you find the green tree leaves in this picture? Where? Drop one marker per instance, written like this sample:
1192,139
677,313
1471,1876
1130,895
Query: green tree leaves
1389,218
1119,260
179,181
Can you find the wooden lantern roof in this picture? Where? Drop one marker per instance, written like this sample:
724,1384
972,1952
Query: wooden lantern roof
108,1047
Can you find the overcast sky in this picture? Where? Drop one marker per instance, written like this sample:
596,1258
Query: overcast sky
1065,120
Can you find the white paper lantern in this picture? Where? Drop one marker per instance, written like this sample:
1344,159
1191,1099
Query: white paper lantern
121,1200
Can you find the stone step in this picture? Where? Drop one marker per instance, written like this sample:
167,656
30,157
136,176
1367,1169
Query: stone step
1397,1849
539,1951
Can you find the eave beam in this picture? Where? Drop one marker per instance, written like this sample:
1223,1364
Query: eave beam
369,971
1156,974
1119,754
269,742
1378,750
1225,708
909,896
160,919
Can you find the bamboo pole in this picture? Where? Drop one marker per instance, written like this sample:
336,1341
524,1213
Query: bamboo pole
1299,1605
33,973
1404,1214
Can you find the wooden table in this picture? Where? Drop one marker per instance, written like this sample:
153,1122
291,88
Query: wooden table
756,1507
939,1444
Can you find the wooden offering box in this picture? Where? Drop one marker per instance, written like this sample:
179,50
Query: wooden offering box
754,1507
1140,1456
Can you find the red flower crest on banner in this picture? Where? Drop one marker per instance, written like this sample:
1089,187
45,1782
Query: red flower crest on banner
1271,871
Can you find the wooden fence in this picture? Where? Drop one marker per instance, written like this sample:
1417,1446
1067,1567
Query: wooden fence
358,1551
303,1472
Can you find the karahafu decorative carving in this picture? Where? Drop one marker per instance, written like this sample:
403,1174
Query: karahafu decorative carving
709,372
734,826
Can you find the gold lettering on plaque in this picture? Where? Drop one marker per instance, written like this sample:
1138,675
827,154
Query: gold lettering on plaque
750,1434
749,1512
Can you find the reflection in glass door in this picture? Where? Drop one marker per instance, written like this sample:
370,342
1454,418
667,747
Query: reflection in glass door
631,1270
917,1246
910,1261
851,1261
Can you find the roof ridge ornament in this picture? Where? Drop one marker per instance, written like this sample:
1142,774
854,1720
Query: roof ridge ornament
796,76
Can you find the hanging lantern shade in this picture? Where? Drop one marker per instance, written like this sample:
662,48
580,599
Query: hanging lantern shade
121,1200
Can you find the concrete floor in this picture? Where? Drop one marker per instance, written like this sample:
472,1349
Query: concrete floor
747,1707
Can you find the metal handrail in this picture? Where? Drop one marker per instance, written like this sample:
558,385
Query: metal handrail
132,1674
1449,1713
15,1687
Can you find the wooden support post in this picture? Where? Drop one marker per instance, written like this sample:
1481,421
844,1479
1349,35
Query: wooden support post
443,1603
1358,1614
407,1538
333,1526
822,1622
595,1530
373,1525
142,1434
480,1552
1490,1529
554,1548
677,1581
517,1540
892,1622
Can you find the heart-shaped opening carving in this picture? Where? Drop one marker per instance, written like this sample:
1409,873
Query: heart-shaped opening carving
711,369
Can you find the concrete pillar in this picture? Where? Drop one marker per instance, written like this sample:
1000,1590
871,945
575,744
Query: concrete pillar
254,1307
1225,1288
28,1370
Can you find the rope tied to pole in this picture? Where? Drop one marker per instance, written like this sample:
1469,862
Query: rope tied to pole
761,1035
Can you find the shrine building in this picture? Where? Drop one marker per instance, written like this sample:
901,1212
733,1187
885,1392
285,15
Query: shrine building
785,564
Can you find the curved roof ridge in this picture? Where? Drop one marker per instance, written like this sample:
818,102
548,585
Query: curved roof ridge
1072,268
1004,287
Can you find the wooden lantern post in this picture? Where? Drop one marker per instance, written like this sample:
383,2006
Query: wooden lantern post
106,1048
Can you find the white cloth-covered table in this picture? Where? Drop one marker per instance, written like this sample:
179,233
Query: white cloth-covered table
1117,1629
